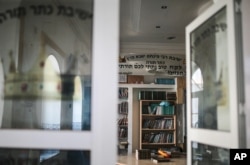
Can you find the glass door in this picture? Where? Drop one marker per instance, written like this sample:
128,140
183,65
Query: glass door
214,97
58,98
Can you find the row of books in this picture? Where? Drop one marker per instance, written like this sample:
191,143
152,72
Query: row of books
123,120
123,107
157,95
161,137
123,93
152,95
165,110
171,96
169,81
165,123
143,154
122,132
155,109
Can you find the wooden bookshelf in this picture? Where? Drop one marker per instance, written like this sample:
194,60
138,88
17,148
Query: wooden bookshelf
133,100
122,121
157,129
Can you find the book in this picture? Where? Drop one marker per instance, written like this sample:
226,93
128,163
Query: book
142,154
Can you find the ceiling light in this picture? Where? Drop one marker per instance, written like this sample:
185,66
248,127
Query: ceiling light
164,7
171,37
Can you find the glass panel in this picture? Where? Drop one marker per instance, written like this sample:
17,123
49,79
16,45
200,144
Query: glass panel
44,157
45,52
209,74
203,154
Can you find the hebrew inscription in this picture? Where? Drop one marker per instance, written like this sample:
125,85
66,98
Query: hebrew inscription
38,10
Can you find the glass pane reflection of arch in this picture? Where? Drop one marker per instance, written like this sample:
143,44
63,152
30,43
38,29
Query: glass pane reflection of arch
197,81
77,105
51,108
31,39
54,63
197,88
209,53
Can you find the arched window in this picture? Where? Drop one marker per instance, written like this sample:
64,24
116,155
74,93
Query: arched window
51,107
196,87
54,63
77,104
197,80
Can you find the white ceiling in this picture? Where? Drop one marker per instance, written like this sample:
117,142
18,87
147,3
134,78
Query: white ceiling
155,21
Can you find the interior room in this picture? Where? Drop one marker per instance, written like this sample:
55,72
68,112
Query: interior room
128,82
145,38
150,31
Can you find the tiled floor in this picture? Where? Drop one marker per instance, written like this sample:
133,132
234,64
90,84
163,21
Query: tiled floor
131,160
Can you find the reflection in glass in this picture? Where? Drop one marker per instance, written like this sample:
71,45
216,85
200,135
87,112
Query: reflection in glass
45,67
50,114
209,74
195,113
203,154
44,157
1,93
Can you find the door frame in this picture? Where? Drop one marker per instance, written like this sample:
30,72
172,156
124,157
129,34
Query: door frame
225,139
101,139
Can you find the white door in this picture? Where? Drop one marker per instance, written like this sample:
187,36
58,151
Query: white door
100,137
215,112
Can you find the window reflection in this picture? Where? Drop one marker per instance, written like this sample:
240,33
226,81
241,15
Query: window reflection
77,105
197,81
209,74
195,103
203,154
197,88
44,157
51,111
1,93
46,63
